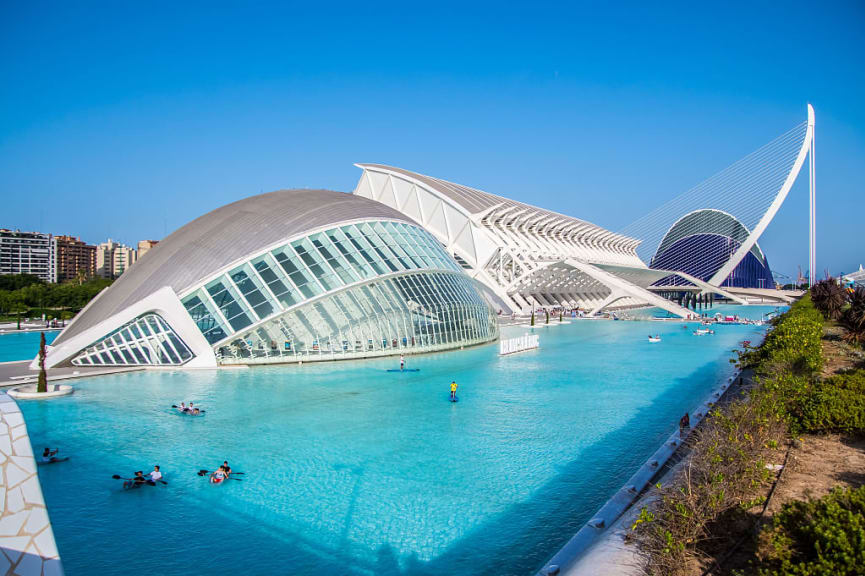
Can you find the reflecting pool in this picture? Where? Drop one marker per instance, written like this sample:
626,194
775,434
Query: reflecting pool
22,345
351,469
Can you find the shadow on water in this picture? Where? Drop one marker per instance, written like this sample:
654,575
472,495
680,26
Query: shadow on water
539,525
559,508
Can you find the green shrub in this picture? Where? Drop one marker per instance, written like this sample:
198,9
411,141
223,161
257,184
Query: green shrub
853,318
794,344
829,298
836,404
824,537
811,405
726,475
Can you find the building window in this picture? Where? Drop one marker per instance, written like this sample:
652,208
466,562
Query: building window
146,341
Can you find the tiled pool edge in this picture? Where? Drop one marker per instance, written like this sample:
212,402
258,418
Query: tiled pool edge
26,538
592,531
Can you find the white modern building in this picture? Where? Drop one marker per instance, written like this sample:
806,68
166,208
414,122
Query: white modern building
293,275
28,253
857,278
527,257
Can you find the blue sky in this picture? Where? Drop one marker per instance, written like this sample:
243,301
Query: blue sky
130,119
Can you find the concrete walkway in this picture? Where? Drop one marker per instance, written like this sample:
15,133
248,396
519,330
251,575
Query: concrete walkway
27,546
12,327
14,373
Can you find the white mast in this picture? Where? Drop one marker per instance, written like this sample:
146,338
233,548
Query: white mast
812,191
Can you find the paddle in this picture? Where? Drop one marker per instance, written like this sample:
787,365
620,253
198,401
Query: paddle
146,480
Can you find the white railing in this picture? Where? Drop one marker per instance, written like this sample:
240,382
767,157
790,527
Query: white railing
519,344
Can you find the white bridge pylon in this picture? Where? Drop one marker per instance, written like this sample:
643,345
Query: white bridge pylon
749,192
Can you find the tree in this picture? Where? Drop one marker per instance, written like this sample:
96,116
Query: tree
17,301
853,318
12,282
829,298
533,318
42,385
547,312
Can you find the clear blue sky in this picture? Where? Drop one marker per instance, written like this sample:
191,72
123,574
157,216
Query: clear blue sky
128,121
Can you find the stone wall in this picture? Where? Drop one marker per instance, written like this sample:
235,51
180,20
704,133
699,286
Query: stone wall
27,546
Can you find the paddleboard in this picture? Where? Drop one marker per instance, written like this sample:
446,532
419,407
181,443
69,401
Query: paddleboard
406,370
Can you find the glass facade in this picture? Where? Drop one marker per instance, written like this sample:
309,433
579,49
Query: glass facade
271,307
702,255
308,267
414,312
703,241
147,340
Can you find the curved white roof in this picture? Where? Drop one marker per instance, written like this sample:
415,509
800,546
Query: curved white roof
478,202
221,237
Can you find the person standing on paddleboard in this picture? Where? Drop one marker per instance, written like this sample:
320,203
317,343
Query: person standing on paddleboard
453,391
401,362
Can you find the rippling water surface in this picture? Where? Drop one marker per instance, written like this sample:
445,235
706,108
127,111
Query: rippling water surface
22,345
350,469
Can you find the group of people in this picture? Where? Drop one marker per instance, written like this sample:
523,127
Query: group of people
139,479
191,409
221,473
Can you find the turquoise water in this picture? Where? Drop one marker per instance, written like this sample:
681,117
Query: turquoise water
22,345
354,470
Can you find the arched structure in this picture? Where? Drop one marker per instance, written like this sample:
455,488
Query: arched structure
711,230
702,241
284,276
526,256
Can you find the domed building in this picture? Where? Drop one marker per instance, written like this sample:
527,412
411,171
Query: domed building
290,275
702,241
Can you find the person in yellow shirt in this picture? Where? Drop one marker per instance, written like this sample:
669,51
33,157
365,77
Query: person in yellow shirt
453,391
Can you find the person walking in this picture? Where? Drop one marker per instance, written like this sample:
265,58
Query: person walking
684,422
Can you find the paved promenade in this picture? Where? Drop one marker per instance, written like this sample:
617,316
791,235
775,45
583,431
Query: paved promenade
14,373
27,546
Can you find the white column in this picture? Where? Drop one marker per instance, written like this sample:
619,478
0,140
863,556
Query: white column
812,244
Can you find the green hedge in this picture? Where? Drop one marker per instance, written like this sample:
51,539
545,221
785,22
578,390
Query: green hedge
824,537
812,405
836,404
794,344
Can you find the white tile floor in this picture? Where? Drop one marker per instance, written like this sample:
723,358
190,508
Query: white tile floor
27,546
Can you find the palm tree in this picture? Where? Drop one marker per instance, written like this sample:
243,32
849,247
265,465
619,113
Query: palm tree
42,383
853,318
829,298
